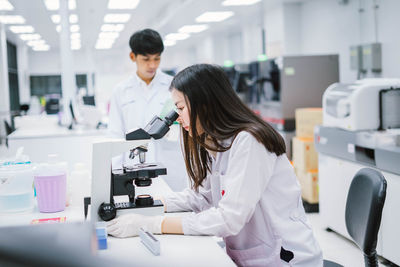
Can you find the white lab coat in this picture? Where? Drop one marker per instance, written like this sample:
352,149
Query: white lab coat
133,105
252,199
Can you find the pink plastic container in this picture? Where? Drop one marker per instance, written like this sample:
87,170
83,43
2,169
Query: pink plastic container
51,192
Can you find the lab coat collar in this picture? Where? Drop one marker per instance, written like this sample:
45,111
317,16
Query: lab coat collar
159,78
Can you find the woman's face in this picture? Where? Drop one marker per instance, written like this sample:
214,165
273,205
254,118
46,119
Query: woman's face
183,109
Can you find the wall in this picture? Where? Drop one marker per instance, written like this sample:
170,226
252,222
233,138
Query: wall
328,27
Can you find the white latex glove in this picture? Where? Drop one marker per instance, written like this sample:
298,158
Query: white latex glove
129,224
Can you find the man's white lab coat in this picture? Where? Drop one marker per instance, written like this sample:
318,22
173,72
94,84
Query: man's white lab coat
133,105
252,199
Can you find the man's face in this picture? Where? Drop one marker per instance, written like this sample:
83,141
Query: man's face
147,65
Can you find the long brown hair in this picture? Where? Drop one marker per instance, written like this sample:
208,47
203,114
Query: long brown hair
221,114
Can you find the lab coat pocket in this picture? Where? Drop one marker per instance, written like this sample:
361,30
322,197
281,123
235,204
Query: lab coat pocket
262,255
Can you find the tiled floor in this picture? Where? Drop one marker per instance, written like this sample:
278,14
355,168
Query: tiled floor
335,247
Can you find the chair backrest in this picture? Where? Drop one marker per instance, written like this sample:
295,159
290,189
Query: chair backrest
8,127
364,207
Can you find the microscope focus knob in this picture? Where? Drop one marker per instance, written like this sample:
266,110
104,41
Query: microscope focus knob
107,211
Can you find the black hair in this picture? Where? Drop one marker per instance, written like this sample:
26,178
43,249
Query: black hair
146,42
215,106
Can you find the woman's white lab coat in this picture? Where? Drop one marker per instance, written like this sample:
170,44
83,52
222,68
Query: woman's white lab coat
252,199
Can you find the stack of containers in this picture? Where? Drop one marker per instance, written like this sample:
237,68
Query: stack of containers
305,157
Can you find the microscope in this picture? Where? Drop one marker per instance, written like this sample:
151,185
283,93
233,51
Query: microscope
107,183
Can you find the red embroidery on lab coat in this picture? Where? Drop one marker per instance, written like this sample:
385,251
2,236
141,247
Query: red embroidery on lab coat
223,192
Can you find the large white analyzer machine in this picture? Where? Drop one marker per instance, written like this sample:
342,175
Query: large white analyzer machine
356,106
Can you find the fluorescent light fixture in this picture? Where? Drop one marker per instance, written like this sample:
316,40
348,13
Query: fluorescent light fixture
169,42
5,5
75,36
76,42
36,42
104,44
56,19
75,46
177,36
74,28
30,36
108,35
193,28
22,29
55,4
73,18
112,27
239,2
71,4
12,19
117,18
122,4
41,47
214,16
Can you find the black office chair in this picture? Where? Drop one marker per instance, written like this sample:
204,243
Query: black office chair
364,207
9,130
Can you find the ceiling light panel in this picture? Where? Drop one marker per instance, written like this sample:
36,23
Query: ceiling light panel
122,4
74,28
239,2
30,36
73,18
75,36
177,36
22,29
5,5
108,35
214,16
55,4
193,28
12,19
116,18
104,44
112,27
41,48
36,42
169,42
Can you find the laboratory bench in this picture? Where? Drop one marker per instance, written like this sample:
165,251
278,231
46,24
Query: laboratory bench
176,250
73,146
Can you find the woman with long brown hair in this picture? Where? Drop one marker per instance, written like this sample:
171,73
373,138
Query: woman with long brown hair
243,186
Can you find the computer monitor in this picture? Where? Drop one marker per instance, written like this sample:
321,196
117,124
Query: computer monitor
89,100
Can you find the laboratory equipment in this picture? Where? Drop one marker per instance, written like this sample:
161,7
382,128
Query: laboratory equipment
16,190
284,84
358,106
149,240
107,183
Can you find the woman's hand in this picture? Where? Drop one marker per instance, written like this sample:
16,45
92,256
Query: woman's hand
128,225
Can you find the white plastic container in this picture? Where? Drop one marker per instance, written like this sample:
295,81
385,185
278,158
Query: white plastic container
16,187
51,184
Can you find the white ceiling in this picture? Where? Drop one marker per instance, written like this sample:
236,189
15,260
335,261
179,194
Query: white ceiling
165,16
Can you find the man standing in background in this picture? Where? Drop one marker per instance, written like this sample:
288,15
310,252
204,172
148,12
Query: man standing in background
138,99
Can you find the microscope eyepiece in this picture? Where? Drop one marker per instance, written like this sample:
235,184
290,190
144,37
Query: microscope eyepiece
171,117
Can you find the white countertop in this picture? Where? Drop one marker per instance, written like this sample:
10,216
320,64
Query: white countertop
176,250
